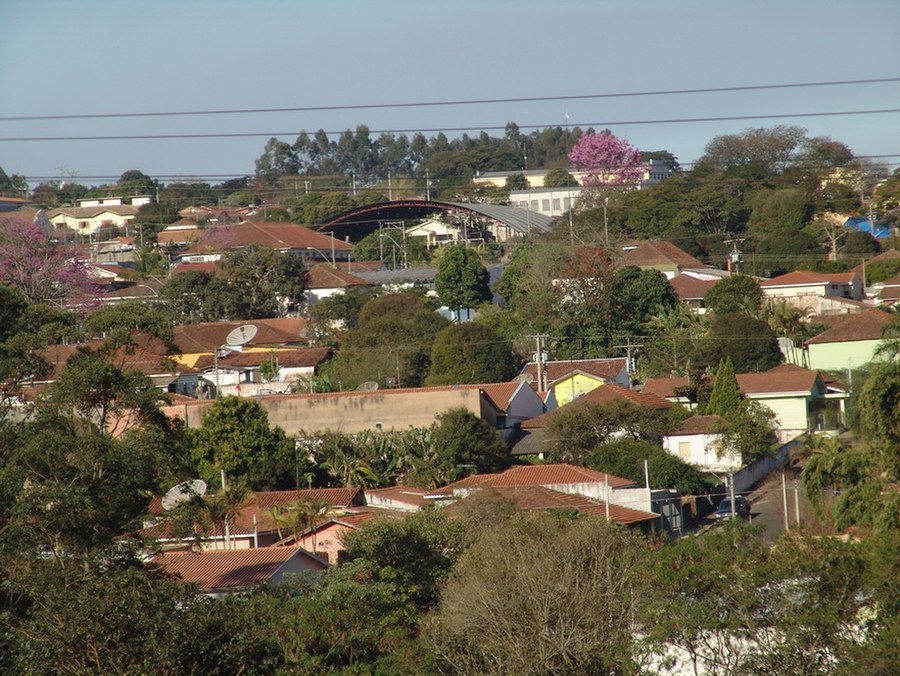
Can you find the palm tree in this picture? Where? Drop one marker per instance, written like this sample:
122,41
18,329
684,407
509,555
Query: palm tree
307,512
222,508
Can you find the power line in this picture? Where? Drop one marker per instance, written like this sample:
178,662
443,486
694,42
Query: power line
429,130
461,102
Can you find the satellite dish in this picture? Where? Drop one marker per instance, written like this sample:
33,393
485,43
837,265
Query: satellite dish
241,335
368,386
525,378
183,492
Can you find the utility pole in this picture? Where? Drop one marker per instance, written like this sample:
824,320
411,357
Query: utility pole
797,502
427,185
628,347
731,492
390,188
539,361
735,257
787,524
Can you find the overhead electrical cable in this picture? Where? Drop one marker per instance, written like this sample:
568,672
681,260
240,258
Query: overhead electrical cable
461,102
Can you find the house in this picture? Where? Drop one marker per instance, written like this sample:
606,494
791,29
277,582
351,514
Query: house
324,280
531,437
801,399
697,442
326,538
561,477
219,240
886,293
850,343
238,373
570,379
434,232
532,498
501,405
658,255
691,291
179,233
654,171
219,573
89,220
547,201
397,498
254,525
816,292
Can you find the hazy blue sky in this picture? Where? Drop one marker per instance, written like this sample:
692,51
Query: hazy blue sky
112,56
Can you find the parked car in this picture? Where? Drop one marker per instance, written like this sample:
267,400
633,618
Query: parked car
741,508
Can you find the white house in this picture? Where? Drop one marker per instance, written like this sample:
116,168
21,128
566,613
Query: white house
697,442
813,290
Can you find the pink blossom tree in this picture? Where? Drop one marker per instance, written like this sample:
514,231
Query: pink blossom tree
44,270
608,161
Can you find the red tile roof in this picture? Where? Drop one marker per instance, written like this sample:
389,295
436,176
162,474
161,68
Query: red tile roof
288,358
272,234
327,277
607,369
234,569
542,498
664,387
500,394
537,475
798,277
783,378
888,255
691,288
649,253
699,424
335,497
209,336
866,325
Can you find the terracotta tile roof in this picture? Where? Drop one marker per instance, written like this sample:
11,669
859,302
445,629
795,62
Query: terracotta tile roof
536,475
601,396
888,255
209,336
405,494
195,267
542,498
180,234
664,387
691,288
783,378
699,424
607,369
288,358
272,234
234,569
649,253
335,497
500,394
148,359
866,325
798,277
326,277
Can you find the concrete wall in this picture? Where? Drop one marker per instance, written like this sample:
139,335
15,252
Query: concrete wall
844,355
350,412
753,473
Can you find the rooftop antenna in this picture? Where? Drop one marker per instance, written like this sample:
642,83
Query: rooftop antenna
183,492
368,386
234,342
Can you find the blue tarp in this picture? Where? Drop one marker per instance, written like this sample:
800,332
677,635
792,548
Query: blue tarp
863,224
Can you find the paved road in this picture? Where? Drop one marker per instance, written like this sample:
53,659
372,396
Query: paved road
767,502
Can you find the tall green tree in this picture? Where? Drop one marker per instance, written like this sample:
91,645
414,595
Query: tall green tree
465,444
471,353
461,280
260,282
725,399
737,293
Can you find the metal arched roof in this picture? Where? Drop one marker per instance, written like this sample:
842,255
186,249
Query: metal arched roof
359,222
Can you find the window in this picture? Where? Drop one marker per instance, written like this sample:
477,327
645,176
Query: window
684,449
545,205
501,421
556,204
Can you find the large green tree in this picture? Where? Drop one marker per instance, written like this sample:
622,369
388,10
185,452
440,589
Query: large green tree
471,353
737,293
461,280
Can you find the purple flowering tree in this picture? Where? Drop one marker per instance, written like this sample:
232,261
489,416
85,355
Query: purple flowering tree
44,270
608,161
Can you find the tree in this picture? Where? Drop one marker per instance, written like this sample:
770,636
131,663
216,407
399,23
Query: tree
465,444
470,353
393,249
736,293
625,458
517,182
235,436
278,159
391,344
558,177
726,398
608,161
43,270
260,282
749,342
461,280
505,610
765,151
639,295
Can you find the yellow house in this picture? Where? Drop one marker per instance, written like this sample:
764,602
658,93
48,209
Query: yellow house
571,379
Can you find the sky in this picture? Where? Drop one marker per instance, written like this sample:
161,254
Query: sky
95,57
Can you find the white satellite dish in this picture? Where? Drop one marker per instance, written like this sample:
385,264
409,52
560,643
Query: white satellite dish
183,492
241,335
368,386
